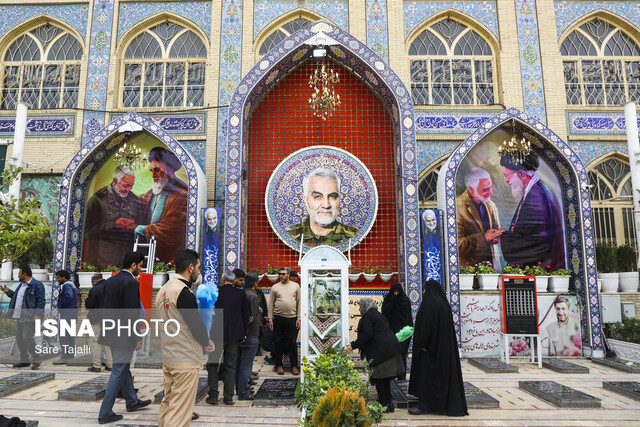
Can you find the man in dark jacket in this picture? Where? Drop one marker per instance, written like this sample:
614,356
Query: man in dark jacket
26,305
68,310
93,303
247,348
232,307
121,303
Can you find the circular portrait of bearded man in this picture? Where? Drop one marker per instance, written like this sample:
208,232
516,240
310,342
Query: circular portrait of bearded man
321,196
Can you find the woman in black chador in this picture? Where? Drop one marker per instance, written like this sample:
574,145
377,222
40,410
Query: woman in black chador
396,307
436,376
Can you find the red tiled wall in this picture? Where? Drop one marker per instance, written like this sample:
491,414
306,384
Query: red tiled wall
283,124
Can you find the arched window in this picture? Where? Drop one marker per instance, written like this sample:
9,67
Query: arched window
601,65
451,64
41,68
428,186
164,66
611,198
282,33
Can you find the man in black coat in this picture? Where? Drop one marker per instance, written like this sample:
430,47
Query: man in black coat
436,376
93,303
536,233
121,303
396,307
232,307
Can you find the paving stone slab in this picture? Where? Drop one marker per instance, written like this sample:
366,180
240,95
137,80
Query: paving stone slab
85,360
615,363
152,361
478,399
88,391
203,389
564,366
560,395
629,389
400,394
276,392
15,383
31,423
492,365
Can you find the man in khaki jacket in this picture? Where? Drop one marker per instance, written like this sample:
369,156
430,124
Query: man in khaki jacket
478,223
183,349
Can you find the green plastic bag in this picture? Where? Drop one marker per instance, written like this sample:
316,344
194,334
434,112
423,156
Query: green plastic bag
404,333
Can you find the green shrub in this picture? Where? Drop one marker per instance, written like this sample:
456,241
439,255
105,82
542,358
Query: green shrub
332,371
606,260
42,252
8,328
627,257
341,407
628,330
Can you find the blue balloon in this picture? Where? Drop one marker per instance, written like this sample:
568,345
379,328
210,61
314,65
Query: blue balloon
207,294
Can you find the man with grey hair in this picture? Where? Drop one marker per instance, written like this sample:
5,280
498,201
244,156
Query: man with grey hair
321,196
478,223
111,212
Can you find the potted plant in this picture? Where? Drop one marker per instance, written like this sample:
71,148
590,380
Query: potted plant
512,270
160,275
466,277
354,273
108,270
370,274
386,274
171,269
487,276
542,276
272,273
320,273
42,254
559,281
625,339
84,273
627,266
341,407
607,264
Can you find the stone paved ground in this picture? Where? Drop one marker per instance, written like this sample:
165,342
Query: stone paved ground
517,408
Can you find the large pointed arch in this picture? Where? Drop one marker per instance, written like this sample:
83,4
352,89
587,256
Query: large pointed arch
579,231
389,88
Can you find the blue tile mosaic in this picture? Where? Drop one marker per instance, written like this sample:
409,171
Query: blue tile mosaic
597,123
569,11
41,125
430,151
588,151
530,63
579,222
449,122
377,33
266,11
75,15
415,12
197,149
98,72
198,12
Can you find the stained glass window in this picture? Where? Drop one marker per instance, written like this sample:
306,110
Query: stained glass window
451,64
41,69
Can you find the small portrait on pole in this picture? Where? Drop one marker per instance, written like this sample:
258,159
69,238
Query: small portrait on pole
327,296
321,196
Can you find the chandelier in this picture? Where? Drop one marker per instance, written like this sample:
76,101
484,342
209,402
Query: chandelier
324,99
129,155
516,149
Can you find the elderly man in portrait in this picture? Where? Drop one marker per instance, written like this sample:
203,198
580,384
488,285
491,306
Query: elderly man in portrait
478,223
165,205
111,213
535,234
564,334
321,195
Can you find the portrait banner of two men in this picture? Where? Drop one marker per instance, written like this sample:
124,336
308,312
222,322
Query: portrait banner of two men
126,202
508,208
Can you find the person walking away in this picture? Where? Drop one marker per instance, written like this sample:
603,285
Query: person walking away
379,345
436,376
26,305
232,308
121,302
396,307
284,320
247,349
183,348
68,310
93,304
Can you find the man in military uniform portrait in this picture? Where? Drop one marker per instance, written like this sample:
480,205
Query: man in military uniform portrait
328,298
321,195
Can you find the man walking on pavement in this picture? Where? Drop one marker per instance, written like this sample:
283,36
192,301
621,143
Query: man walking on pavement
232,308
284,320
93,303
26,305
121,303
68,310
247,349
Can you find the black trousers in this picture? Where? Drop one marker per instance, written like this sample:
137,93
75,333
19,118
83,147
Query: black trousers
383,387
285,333
26,342
229,356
